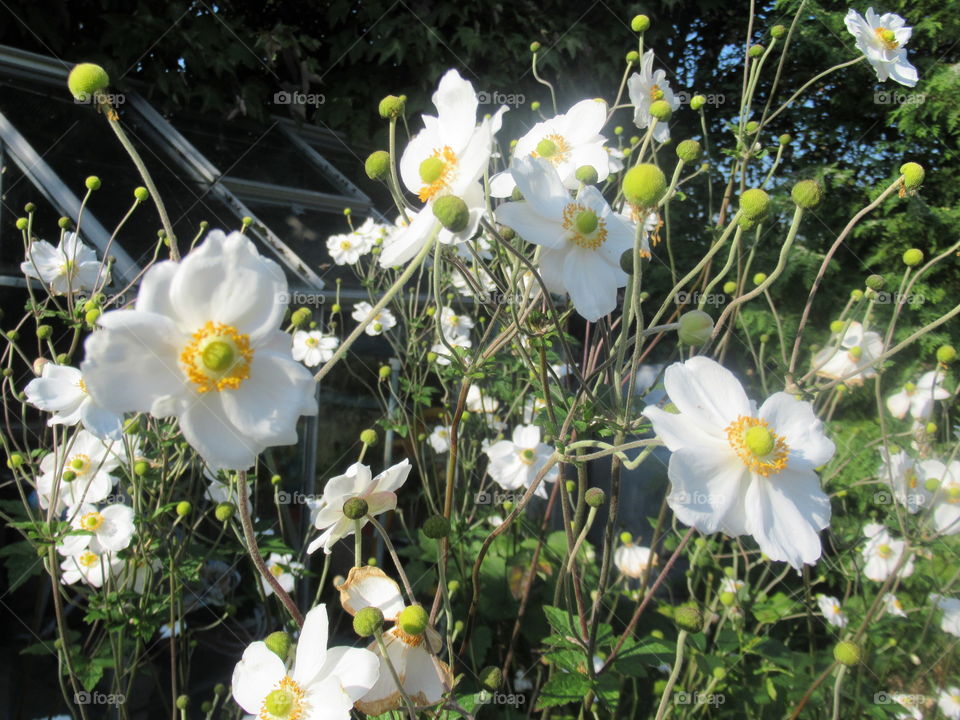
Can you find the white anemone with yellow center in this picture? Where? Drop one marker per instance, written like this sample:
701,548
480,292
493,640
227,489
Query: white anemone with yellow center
109,529
312,347
882,553
581,239
77,472
569,141
850,357
645,88
203,344
950,607
942,480
515,463
61,391
893,605
832,613
900,472
740,470
918,398
881,38
284,568
323,683
70,267
949,702
90,567
424,677
447,157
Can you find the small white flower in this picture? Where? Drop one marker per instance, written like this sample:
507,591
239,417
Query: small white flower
515,463
93,568
111,529
945,503
645,88
853,360
322,685
440,439
68,268
532,407
357,482
882,39
455,326
950,621
830,607
383,321
882,553
479,402
918,398
166,632
345,249
313,347
634,560
479,280
60,390
740,470
284,569
949,702
900,471
893,605
78,472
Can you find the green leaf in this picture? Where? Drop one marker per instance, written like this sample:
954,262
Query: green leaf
561,689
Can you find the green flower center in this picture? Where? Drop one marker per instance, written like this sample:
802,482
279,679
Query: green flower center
431,169
218,356
546,148
887,38
91,521
527,456
759,440
855,352
586,222
884,551
312,342
284,703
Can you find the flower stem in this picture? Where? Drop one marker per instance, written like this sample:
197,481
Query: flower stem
674,674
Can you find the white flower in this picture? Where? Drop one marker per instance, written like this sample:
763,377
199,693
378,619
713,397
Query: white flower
443,354
830,607
384,319
357,482
949,702
284,569
166,631
424,678
447,157
313,347
900,471
60,390
515,463
93,568
853,359
651,224
918,398
633,560
440,439
893,605
882,39
203,344
110,529
950,622
581,240
348,248
322,685
646,87
742,471
945,503
479,278
455,326
479,402
532,407
78,472
568,141
735,587
913,703
68,268
882,553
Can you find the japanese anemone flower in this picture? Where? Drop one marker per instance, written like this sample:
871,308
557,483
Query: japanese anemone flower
111,529
69,267
852,361
203,344
323,683
740,470
60,390
882,39
882,553
918,398
77,472
645,88
515,463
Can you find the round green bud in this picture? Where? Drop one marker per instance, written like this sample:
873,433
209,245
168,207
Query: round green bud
29,208
64,223
727,598
785,139
15,460
913,257
279,643
384,372
436,527
594,497
91,317
587,174
301,316
661,110
913,174
355,508
570,486
44,332
377,165
206,707
491,677
141,468
697,102
846,653
367,621
755,51
632,57
69,476
223,511
535,105
807,194
85,79
219,689
689,618
626,537
778,31
837,326
431,357
13,335
534,46
695,328
93,183
183,702
413,620
931,428
644,185
22,223
688,151
453,586
335,308
508,505
626,261
392,106
452,212
141,194
719,672
946,354
369,437
759,278
764,338
755,203
875,282
183,508
640,23
856,294
752,127
730,287
618,130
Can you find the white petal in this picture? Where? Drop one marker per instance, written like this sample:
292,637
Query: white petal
705,485
368,586
311,646
258,671
356,669
796,422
